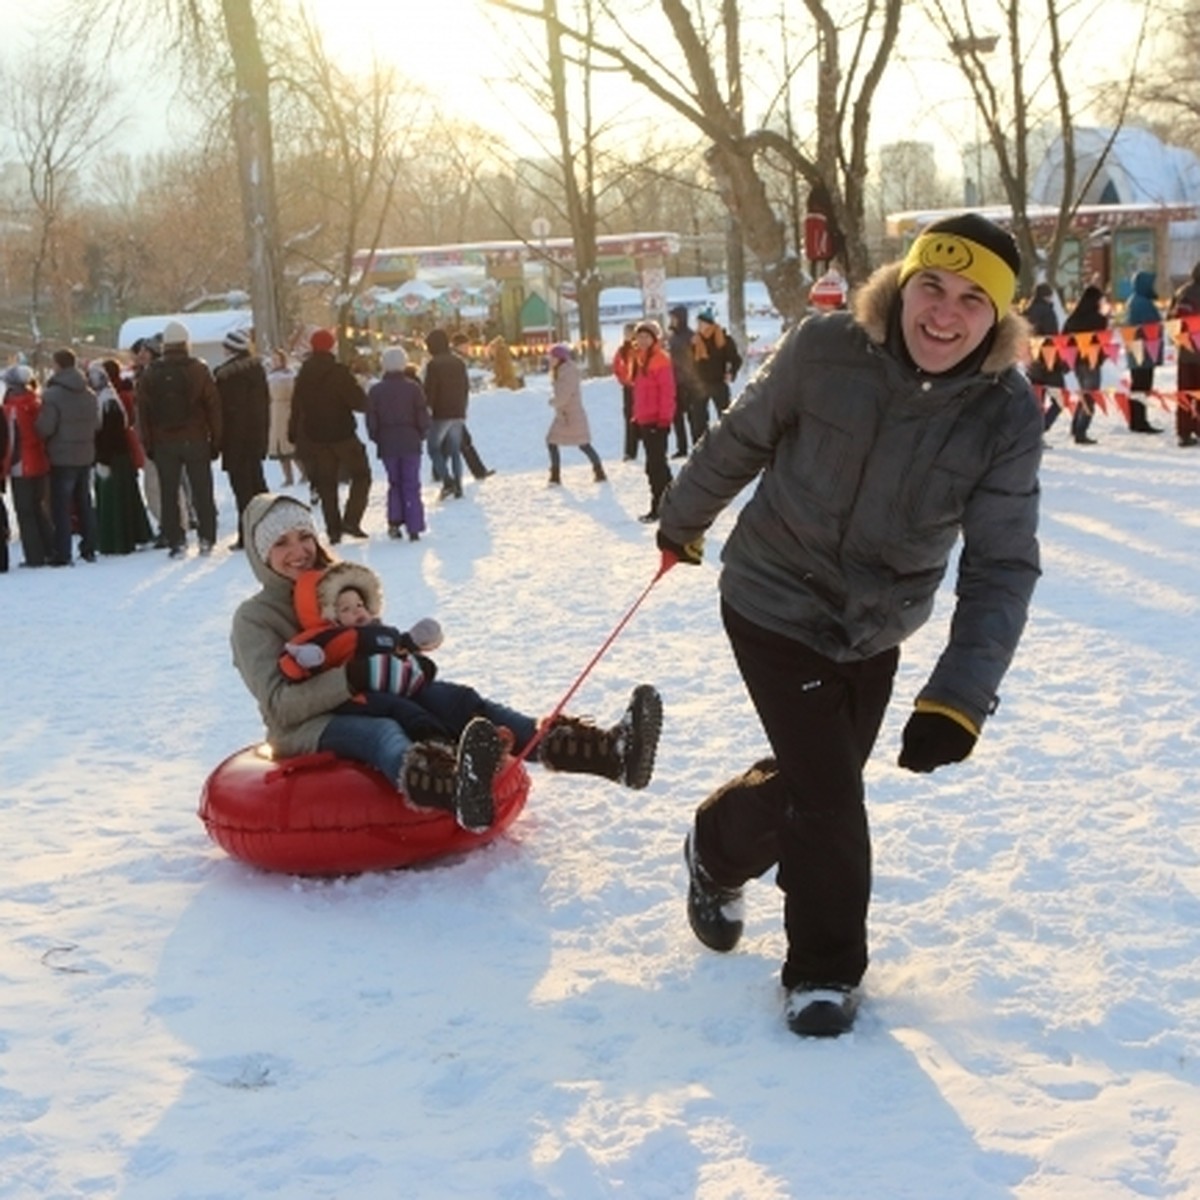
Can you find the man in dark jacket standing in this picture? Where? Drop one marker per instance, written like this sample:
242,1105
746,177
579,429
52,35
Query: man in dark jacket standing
245,416
687,382
1185,304
717,364
324,402
67,423
447,390
876,438
1047,370
179,413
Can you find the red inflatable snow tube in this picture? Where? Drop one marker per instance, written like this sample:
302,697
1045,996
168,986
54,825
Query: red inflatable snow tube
318,814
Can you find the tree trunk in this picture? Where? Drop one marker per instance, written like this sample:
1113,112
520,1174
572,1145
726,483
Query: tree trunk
745,195
256,170
735,277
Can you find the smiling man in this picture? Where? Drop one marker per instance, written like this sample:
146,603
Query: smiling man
876,437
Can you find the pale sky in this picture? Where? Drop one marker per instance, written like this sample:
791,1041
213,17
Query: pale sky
450,46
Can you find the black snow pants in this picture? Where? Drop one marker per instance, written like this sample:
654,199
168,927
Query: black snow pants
803,810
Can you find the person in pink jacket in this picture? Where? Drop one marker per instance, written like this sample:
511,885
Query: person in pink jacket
653,380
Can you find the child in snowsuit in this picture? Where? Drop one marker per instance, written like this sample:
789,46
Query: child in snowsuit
339,610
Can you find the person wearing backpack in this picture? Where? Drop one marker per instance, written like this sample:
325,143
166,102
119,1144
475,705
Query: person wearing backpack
179,412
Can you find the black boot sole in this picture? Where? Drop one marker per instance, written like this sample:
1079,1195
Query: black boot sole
643,719
705,911
479,754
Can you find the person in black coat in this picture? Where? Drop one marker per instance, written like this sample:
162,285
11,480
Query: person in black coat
687,382
324,401
1046,376
245,418
1087,317
447,389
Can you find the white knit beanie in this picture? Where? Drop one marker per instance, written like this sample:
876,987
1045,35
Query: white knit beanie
394,359
282,517
175,334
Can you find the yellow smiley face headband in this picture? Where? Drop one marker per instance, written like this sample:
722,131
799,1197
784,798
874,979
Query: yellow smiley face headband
966,257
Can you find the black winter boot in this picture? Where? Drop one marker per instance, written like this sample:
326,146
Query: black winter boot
715,913
624,753
435,776
479,752
428,776
821,1009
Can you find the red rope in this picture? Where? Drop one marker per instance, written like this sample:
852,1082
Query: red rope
668,561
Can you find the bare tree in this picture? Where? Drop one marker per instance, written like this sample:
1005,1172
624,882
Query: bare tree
851,51
351,163
1174,96
233,64
58,121
1027,88
252,135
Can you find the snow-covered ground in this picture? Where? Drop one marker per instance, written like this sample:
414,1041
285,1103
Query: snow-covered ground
535,1020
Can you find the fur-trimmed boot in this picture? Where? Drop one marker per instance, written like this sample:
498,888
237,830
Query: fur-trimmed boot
623,753
435,776
428,775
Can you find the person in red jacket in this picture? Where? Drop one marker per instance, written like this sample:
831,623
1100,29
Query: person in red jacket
27,466
653,380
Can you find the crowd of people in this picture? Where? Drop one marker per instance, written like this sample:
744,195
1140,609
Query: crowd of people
105,458
1085,325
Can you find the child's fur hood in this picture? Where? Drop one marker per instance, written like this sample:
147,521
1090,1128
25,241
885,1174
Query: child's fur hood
317,591
872,305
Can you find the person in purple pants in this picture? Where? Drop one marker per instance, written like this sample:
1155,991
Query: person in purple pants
397,422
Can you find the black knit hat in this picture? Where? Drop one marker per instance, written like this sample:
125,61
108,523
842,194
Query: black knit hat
971,246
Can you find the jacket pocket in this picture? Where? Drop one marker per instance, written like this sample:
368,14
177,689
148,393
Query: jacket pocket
941,500
822,461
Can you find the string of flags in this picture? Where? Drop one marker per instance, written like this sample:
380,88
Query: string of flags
1140,343
1101,398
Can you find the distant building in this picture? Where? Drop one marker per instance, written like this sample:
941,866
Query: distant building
908,175
1136,169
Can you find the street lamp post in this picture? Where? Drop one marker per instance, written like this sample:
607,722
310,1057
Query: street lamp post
974,48
541,230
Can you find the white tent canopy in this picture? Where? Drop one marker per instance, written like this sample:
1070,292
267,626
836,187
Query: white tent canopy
206,330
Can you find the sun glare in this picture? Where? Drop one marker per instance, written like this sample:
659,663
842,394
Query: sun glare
447,47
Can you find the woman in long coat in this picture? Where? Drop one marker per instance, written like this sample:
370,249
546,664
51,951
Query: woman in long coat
120,511
570,425
281,382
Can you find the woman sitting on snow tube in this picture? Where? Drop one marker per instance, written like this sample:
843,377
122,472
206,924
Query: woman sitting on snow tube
281,544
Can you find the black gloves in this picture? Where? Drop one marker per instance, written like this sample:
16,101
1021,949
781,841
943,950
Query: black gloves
692,553
933,739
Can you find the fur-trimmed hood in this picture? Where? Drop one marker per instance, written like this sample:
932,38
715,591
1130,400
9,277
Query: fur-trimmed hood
872,305
317,592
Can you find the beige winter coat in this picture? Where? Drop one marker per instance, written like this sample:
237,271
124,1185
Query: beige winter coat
295,713
570,425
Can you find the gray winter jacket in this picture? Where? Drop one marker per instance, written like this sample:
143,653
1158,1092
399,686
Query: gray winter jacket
68,419
867,473
295,714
